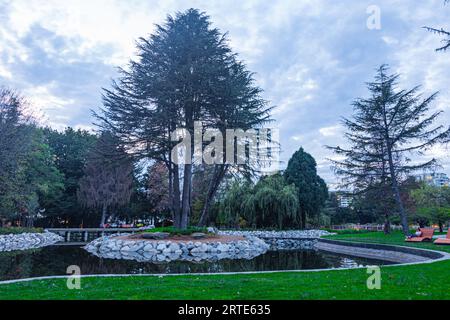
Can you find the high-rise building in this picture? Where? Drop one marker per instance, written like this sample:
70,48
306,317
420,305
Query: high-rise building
434,179
344,200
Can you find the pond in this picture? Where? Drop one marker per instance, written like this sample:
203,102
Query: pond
54,260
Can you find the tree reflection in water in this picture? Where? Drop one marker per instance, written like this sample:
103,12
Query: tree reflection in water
54,260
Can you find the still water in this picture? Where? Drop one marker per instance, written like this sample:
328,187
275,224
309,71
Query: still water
54,260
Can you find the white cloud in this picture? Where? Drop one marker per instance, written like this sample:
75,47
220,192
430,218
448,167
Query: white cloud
389,40
311,57
4,72
330,131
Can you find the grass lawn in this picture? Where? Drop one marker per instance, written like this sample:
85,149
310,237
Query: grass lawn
396,238
427,281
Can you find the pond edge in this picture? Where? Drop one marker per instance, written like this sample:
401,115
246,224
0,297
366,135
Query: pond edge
443,256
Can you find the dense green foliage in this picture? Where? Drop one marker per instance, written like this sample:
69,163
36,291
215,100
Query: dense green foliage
15,230
281,201
28,171
270,203
312,191
175,231
432,205
347,231
70,149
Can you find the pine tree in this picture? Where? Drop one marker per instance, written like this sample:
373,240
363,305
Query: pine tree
185,73
387,129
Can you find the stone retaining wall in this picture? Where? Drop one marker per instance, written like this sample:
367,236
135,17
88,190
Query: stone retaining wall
165,250
25,241
284,240
289,234
290,244
378,251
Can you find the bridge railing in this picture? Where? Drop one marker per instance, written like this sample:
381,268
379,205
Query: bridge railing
84,235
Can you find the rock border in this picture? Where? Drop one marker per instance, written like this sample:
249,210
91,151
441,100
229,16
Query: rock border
27,241
391,253
289,234
113,247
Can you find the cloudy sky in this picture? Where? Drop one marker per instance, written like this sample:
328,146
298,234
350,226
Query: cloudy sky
311,57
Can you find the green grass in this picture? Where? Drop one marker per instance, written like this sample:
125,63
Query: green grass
174,231
347,231
16,230
425,281
428,281
395,238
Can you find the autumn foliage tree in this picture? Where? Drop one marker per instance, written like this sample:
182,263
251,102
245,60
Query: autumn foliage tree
157,185
108,177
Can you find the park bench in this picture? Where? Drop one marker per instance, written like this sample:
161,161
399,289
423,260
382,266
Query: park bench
427,235
445,240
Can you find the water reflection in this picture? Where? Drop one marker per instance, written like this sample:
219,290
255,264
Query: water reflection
54,260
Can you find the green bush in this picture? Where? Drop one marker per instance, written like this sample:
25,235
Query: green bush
17,230
348,231
174,231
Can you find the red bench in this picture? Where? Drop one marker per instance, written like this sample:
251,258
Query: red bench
427,235
445,240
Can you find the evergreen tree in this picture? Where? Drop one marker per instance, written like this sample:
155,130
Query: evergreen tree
185,72
70,149
312,190
387,129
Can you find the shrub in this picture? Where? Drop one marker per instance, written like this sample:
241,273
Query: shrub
18,230
173,231
347,231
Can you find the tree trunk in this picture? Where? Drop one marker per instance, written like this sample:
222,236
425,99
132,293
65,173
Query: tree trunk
303,223
186,203
395,188
398,199
387,224
176,197
104,211
169,167
219,172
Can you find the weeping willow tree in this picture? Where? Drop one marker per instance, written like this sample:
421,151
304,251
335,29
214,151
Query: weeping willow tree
271,203
275,204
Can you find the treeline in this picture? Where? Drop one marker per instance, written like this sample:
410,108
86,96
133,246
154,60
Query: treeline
292,199
75,178
51,178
